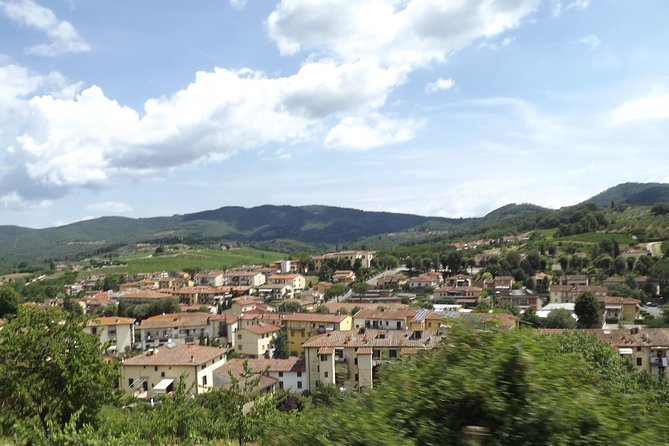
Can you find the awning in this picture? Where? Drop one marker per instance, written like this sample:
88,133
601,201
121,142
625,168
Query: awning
625,351
163,385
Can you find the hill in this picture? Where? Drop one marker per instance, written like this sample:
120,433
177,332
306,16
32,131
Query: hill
639,194
515,210
271,226
12,231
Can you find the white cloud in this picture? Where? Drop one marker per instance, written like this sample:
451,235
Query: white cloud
112,207
408,33
591,41
655,107
64,38
371,131
238,4
558,6
439,85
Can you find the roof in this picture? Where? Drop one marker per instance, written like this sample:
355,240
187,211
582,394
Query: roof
313,317
178,355
384,315
145,295
262,329
176,320
649,337
228,316
370,338
113,320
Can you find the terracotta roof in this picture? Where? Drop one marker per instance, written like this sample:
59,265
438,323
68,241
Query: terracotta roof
384,315
145,295
365,351
229,317
652,337
176,320
325,351
370,338
259,365
113,320
262,329
179,355
313,317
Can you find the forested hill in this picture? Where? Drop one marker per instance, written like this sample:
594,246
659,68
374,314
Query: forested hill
315,225
291,228
640,194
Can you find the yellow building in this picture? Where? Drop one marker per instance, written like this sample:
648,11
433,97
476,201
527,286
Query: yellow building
159,371
255,340
302,326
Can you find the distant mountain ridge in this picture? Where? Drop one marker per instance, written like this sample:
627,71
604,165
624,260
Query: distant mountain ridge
297,226
639,194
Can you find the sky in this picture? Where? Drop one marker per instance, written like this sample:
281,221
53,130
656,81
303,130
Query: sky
448,108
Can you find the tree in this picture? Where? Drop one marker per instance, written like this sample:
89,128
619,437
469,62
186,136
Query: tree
335,290
51,372
588,311
281,345
321,309
559,318
9,301
660,272
361,287
660,209
290,306
530,318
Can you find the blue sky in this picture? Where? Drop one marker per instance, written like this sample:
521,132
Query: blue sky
449,108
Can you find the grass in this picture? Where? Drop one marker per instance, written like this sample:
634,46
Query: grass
145,262
596,237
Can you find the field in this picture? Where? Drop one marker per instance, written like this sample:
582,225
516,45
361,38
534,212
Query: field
145,261
596,237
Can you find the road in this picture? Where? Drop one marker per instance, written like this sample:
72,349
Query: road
374,279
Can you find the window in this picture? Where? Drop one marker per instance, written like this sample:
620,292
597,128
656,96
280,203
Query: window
355,361
357,377
638,349
325,374
281,385
392,353
204,366
299,374
162,374
639,362
280,374
239,336
204,380
324,357
131,382
299,384
155,368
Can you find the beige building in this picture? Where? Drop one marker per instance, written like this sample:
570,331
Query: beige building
296,281
365,258
179,328
288,374
117,333
302,326
159,371
351,358
255,340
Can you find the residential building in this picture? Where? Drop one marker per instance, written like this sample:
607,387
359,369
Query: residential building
623,309
467,296
142,297
392,281
296,281
351,358
255,340
343,276
288,374
159,371
382,319
177,328
575,280
426,280
276,291
302,326
210,278
116,333
521,299
364,257
565,294
501,283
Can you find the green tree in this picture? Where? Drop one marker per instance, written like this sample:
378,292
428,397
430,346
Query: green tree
290,306
559,318
587,309
361,287
9,301
281,345
51,372
321,309
335,290
660,272
530,318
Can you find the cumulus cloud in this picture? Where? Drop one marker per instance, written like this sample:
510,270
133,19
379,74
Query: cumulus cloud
655,107
238,4
60,136
411,33
64,38
559,6
439,85
112,207
371,131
